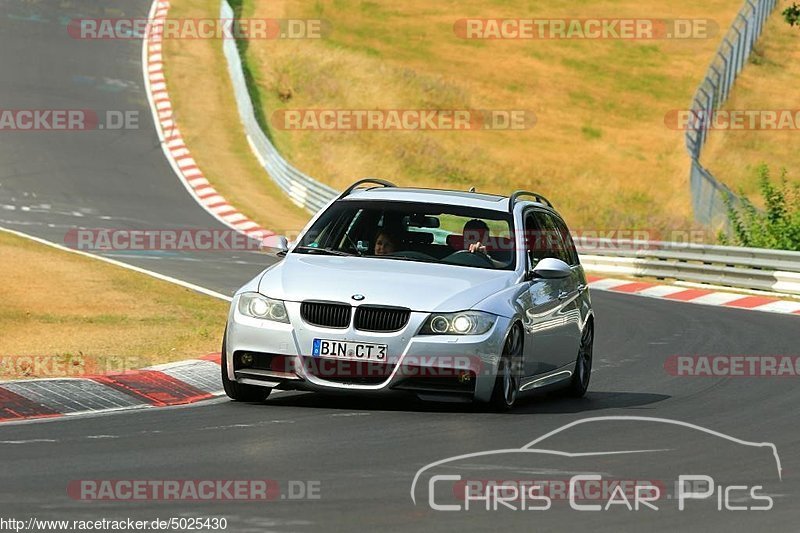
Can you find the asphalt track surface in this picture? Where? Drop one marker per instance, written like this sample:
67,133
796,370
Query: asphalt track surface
364,453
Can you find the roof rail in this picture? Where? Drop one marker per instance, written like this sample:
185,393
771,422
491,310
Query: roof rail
539,198
375,181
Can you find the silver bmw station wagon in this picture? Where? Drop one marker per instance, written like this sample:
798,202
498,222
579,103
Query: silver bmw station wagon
445,295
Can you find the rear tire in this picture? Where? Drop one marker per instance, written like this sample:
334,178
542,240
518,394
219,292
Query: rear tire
583,364
506,385
237,391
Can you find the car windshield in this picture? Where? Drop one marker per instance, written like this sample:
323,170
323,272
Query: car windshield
410,231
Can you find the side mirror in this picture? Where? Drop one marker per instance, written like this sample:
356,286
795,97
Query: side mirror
551,268
277,244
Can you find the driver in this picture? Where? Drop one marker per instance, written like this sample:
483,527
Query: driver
476,235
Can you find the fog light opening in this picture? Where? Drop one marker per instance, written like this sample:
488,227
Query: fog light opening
246,359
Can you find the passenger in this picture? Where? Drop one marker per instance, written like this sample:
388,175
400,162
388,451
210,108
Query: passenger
385,243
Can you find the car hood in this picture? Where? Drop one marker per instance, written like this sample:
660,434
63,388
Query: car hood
417,286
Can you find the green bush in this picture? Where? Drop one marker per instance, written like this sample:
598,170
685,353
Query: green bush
792,15
776,226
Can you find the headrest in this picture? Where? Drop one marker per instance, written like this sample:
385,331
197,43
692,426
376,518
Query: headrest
418,237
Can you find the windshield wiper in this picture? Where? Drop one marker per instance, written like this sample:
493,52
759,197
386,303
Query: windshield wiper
331,251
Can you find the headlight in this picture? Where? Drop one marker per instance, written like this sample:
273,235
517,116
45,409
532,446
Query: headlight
258,306
462,323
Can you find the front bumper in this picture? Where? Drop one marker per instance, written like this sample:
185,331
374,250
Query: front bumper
444,367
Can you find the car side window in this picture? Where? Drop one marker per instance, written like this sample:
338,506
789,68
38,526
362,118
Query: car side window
532,239
572,253
549,239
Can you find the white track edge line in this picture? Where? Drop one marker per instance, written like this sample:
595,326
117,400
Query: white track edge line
162,277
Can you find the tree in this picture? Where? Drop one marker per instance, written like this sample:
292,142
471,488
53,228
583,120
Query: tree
792,14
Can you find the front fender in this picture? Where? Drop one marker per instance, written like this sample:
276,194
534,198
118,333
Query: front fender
504,303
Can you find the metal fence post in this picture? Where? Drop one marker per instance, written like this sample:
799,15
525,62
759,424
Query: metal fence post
708,194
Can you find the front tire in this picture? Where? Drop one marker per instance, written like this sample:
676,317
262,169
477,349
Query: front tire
583,364
506,386
237,391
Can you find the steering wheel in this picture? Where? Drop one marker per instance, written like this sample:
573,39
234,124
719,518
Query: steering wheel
464,253
412,254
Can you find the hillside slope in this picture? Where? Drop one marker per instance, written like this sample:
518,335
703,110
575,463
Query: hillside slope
599,149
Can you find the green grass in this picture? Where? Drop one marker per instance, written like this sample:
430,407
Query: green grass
591,133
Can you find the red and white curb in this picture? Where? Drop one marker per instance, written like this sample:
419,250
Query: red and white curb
172,142
178,383
677,293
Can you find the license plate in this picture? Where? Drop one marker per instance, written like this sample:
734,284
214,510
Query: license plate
355,351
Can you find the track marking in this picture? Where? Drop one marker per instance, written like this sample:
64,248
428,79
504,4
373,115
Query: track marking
186,284
764,302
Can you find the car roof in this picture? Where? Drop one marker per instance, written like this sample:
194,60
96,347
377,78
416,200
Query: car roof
479,200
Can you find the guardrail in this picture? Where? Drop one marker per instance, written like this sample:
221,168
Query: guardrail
303,190
743,268
708,193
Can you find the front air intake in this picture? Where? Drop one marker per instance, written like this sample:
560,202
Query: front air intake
375,318
326,314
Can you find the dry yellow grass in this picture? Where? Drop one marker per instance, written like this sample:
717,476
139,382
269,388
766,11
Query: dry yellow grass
600,148
770,82
98,316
